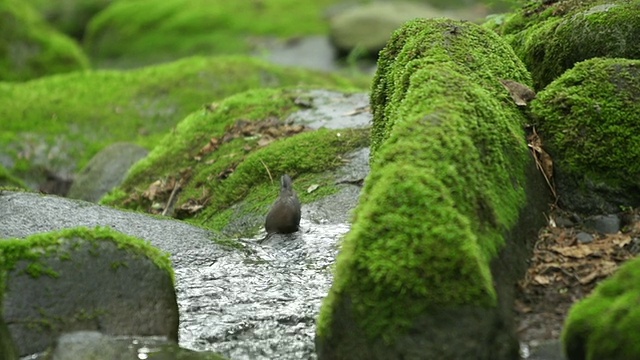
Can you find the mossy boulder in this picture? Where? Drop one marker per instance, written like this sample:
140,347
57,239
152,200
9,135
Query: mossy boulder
146,31
589,120
31,48
59,123
428,267
604,325
84,279
550,37
213,165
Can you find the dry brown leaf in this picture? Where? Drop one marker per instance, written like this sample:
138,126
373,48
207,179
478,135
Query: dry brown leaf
541,280
520,93
578,251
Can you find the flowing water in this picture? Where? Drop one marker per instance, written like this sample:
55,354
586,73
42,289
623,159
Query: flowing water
260,304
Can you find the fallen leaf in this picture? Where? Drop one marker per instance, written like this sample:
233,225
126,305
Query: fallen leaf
520,93
312,188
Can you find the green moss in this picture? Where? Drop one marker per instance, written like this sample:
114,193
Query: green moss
31,48
605,324
35,247
474,51
589,120
10,181
551,37
148,30
69,118
178,153
446,181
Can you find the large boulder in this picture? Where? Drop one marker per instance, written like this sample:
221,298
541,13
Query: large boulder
85,279
589,121
31,48
218,157
551,36
604,325
442,229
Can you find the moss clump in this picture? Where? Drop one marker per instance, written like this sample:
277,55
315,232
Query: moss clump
446,180
604,325
177,157
72,117
476,52
148,31
589,118
31,48
10,181
34,247
70,17
551,37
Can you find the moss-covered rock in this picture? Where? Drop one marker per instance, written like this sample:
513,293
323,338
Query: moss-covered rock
589,119
61,122
414,277
550,37
84,279
604,325
214,173
147,31
31,48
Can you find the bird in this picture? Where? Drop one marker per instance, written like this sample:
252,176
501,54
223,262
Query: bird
284,216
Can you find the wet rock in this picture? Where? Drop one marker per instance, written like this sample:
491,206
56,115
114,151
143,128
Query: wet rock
584,238
85,279
97,346
105,171
563,221
606,224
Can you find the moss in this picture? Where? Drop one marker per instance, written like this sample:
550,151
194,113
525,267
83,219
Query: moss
72,117
70,17
551,37
446,180
31,48
148,30
306,153
589,120
35,247
9,181
605,324
475,51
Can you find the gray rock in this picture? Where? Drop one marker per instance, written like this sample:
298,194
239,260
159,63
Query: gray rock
98,346
606,224
369,26
584,237
73,281
106,170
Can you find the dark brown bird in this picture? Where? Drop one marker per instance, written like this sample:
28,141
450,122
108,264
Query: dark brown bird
284,216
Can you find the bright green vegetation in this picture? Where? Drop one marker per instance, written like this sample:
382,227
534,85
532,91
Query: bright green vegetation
31,48
60,243
304,156
150,30
446,181
551,37
589,117
71,117
604,325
